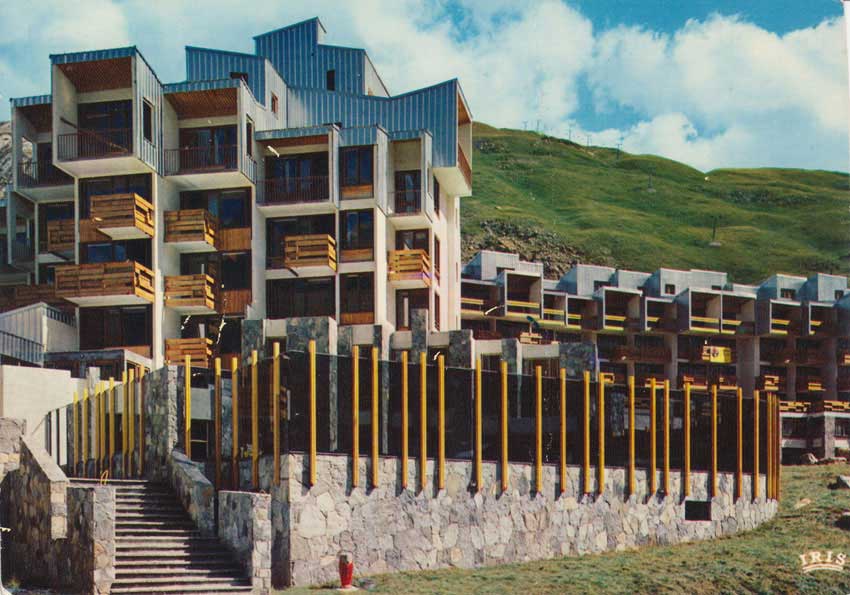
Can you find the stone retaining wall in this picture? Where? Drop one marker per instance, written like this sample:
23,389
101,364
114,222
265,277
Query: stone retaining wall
244,524
389,529
194,490
11,432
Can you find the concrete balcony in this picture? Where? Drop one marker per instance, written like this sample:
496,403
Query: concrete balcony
120,217
61,236
409,269
192,230
521,309
205,168
106,284
310,255
191,294
41,180
199,349
279,196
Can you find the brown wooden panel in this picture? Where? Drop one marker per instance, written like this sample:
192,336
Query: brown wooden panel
234,301
362,191
199,349
98,75
204,104
237,239
317,139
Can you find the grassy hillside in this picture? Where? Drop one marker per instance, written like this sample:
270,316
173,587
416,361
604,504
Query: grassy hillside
599,206
764,560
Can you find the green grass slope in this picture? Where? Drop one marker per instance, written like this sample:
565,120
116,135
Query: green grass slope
598,205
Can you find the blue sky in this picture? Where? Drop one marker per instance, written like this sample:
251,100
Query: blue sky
713,84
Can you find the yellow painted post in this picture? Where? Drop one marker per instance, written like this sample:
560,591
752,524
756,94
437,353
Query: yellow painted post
96,429
311,349
276,412
600,426
111,425
666,414
423,420
76,414
563,429
586,433
131,423
739,467
85,440
255,423
713,440
687,432
355,416
103,425
756,399
538,429
187,406
141,423
234,449
441,422
478,437
778,443
653,438
769,424
404,421
631,382
503,425
217,420
375,418
125,438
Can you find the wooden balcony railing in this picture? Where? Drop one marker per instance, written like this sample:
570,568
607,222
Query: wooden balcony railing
471,304
199,349
410,265
615,322
809,384
521,308
731,326
107,279
191,225
122,216
201,159
463,164
705,324
195,293
770,383
794,406
95,144
316,250
283,191
780,326
830,406
33,174
357,317
554,315
26,295
60,235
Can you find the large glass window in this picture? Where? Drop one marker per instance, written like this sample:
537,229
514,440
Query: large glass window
236,271
105,115
356,164
287,298
203,148
102,328
139,184
407,190
357,293
231,207
135,250
356,230
412,239
297,178
405,302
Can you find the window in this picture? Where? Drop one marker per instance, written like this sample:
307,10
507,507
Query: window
356,163
297,178
437,258
236,271
249,137
103,328
275,105
147,120
356,230
787,294
407,188
357,294
330,80
240,75
231,207
437,311
436,196
207,147
201,431
287,298
670,289
717,287
405,302
136,250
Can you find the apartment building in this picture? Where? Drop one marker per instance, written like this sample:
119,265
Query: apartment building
788,335
278,185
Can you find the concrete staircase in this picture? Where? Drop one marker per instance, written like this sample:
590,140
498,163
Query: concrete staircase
159,550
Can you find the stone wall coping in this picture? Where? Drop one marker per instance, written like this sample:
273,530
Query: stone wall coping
46,465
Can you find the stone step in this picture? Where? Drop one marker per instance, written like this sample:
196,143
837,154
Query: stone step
150,523
184,561
151,515
180,589
164,544
227,581
219,571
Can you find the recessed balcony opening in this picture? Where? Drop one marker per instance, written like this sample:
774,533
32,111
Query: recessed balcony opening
288,298
294,178
357,236
621,309
784,318
738,315
302,244
230,208
705,312
357,298
117,328
523,295
103,129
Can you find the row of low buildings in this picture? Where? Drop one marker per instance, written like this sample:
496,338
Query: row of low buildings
147,221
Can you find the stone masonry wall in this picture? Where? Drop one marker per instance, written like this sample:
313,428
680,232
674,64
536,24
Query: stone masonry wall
389,529
11,432
194,490
244,524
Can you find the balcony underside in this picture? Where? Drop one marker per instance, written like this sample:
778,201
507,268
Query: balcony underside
48,193
416,220
210,179
104,166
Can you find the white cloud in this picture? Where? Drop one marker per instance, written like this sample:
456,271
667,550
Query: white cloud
721,92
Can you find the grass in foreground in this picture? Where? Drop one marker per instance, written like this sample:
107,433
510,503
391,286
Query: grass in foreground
761,561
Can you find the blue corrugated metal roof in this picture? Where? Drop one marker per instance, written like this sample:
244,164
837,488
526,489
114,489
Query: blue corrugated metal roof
188,86
32,100
92,55
208,64
291,132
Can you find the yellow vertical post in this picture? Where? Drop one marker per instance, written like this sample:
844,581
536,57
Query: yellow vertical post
600,426
563,429
586,433
503,425
96,429
687,432
538,429
234,449
423,420
355,416
631,382
778,443
375,417
713,440
255,423
76,435
739,467
478,437
769,424
187,406
103,425
756,405
276,412
666,415
141,423
653,438
125,410
217,420
311,349
404,422
131,423
85,416
441,422
111,425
